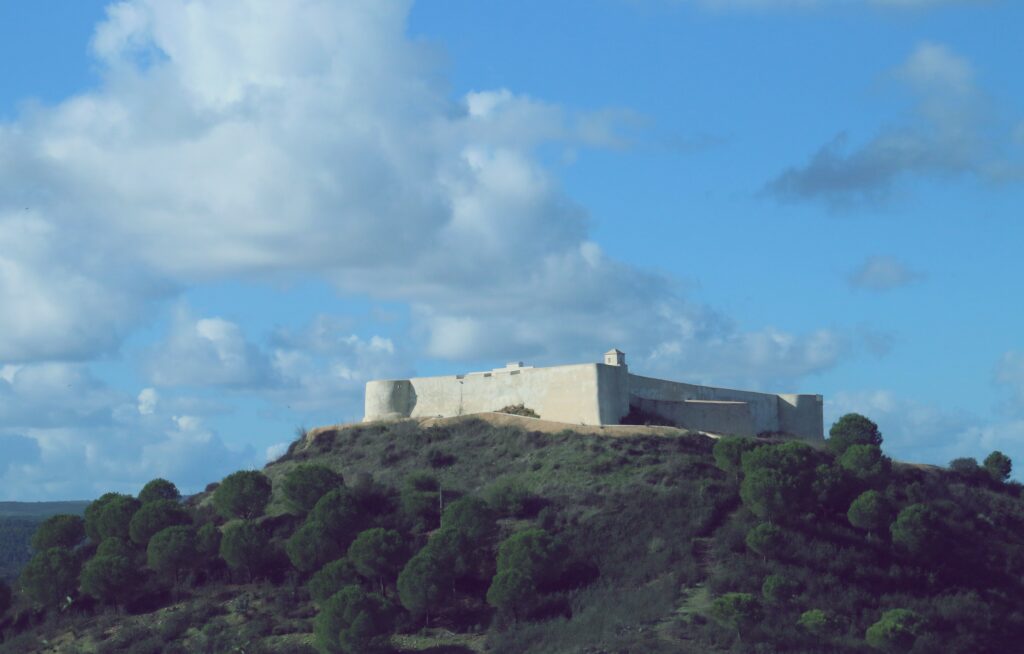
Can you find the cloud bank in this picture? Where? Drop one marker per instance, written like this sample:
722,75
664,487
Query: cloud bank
262,141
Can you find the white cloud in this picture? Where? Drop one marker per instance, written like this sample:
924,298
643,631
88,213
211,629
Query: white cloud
259,140
323,365
206,352
275,451
148,399
235,139
67,435
1009,373
882,273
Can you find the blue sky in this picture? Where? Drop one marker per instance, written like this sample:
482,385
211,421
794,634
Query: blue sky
219,219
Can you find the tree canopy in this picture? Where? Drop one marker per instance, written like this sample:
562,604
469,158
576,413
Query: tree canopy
998,465
158,489
243,546
111,579
353,621
110,516
852,429
59,531
243,494
173,550
378,554
51,576
156,516
305,484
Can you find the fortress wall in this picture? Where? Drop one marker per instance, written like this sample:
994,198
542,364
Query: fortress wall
763,407
732,418
595,394
388,399
560,393
802,415
612,393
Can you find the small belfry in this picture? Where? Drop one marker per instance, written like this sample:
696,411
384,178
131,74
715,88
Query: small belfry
597,394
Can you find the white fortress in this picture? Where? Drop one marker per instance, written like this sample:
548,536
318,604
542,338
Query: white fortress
596,394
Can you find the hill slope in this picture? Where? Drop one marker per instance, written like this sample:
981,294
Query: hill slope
658,542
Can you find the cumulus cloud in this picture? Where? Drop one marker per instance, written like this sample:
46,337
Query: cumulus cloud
882,273
263,140
235,140
321,365
206,352
148,398
65,434
1009,374
947,135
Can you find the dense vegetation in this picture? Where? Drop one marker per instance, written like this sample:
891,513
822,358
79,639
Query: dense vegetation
18,522
466,537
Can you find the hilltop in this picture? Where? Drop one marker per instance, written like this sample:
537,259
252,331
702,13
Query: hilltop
625,539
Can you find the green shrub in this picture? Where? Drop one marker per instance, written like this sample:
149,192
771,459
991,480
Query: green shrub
243,494
66,531
156,516
509,497
311,546
728,453
998,466
243,546
110,516
158,489
173,550
378,554
895,631
305,484
50,576
332,578
852,429
353,622
519,410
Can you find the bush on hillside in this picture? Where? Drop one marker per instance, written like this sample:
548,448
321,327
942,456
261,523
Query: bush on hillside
331,578
243,546
111,579
110,516
998,466
172,551
852,429
50,577
378,554
156,516
159,489
243,494
305,484
353,621
66,531
519,410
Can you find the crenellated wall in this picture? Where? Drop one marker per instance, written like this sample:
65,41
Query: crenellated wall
596,394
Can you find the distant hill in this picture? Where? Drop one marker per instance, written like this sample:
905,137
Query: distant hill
41,509
626,540
18,521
